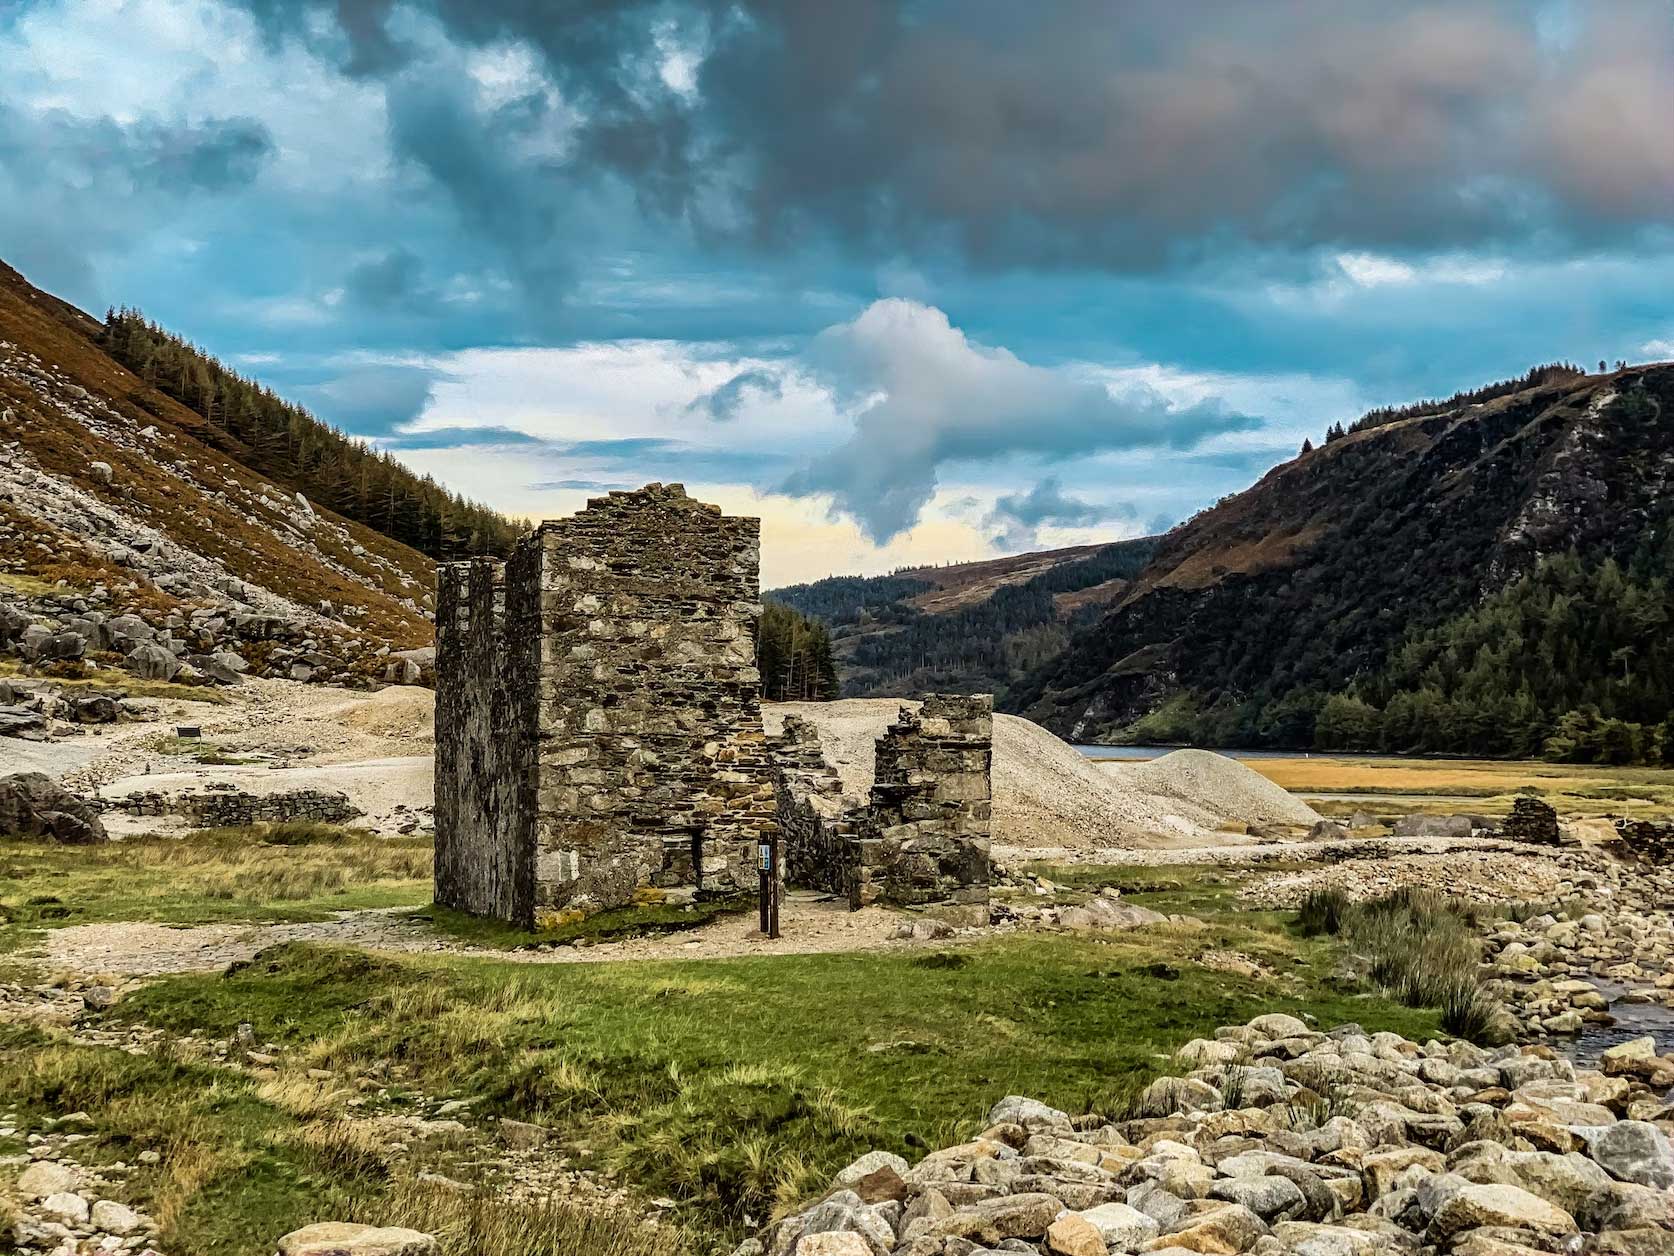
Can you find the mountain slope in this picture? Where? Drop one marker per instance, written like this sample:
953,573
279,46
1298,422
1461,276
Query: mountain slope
1305,585
138,505
965,628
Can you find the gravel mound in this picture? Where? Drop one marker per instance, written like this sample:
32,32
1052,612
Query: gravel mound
1229,789
1048,794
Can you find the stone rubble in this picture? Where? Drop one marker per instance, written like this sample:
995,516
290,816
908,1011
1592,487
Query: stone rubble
1285,1140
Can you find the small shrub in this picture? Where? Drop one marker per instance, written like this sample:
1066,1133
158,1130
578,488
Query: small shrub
1323,911
1468,1011
941,959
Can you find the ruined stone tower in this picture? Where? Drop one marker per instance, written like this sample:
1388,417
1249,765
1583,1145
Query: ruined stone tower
598,722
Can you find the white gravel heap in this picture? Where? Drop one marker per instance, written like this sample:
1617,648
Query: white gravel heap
1282,1141
1048,794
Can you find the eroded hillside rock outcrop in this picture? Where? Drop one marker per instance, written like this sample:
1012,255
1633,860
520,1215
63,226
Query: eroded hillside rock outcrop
1281,1139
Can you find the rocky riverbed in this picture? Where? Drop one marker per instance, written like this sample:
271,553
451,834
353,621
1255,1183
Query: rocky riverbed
1587,965
1276,1138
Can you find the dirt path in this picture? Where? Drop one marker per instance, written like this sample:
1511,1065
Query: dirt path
812,924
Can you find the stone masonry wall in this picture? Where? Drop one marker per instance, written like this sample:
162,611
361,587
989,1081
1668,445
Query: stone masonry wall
817,831
486,638
653,769
925,840
233,808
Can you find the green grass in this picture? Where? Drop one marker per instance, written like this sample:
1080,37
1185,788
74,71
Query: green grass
740,1085
267,872
1206,890
198,750
612,925
244,1161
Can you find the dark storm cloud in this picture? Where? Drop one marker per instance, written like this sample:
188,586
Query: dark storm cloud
371,400
386,282
1086,132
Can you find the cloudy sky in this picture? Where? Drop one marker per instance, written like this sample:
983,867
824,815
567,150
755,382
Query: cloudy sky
919,280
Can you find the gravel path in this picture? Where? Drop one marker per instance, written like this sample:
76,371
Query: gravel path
810,924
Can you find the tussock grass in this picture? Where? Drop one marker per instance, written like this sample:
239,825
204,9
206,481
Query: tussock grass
302,1097
483,1224
1420,947
1323,910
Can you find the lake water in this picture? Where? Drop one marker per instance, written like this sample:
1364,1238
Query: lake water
1159,751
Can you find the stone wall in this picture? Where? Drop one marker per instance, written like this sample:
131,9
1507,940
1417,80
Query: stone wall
1532,821
233,808
598,711
925,839
1650,841
818,831
486,641
653,766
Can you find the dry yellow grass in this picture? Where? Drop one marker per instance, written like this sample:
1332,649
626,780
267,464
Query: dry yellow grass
1575,789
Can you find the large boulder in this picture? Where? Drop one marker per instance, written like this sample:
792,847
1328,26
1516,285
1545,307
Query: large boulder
1499,1205
1633,1151
32,805
95,708
13,623
402,672
56,647
150,661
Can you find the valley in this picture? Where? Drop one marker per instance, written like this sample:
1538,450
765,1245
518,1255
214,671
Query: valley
1306,1000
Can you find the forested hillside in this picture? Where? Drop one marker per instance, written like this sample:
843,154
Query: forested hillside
1486,578
793,653
969,628
283,441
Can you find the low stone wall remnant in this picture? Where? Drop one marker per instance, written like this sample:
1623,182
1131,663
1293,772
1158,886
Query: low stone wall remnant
1532,821
925,841
233,808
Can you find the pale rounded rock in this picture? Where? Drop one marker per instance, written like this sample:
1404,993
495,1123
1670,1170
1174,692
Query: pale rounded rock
65,1207
47,1177
115,1218
347,1238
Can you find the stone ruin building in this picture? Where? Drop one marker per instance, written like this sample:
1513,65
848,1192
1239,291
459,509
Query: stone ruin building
599,738
921,839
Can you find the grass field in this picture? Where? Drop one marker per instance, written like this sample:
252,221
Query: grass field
738,1086
1574,789
277,872
733,1086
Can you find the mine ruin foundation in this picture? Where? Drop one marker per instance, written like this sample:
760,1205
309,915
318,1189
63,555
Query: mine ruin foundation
599,738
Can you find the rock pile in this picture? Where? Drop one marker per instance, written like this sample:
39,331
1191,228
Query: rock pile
211,643
61,1206
1284,1140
